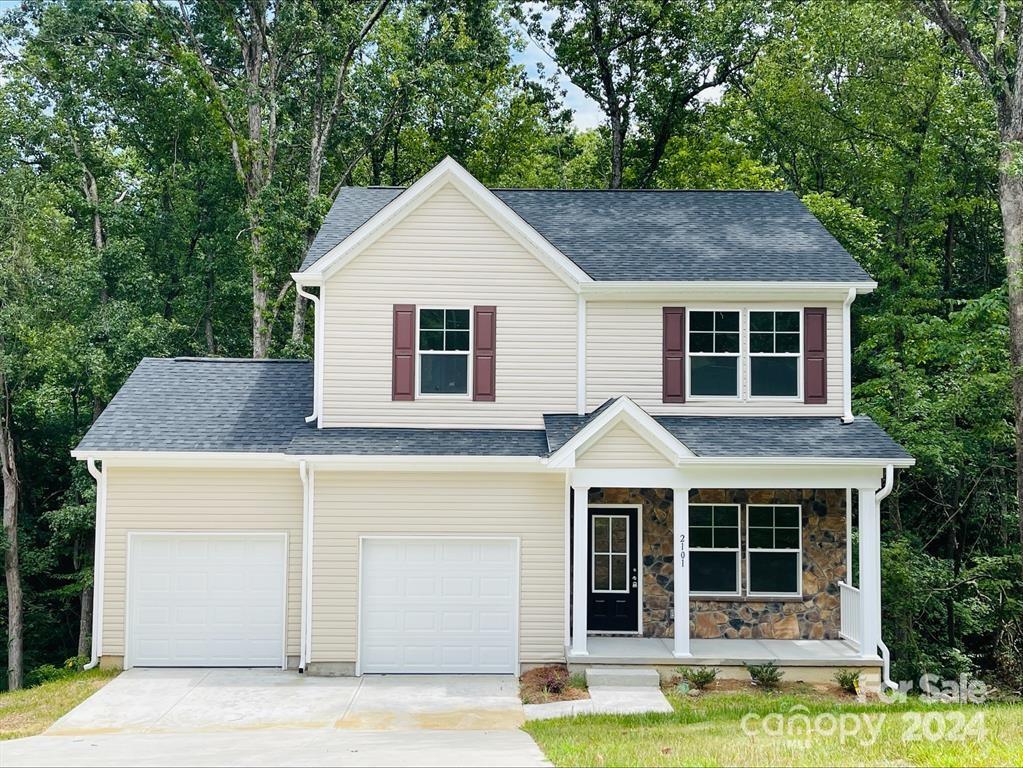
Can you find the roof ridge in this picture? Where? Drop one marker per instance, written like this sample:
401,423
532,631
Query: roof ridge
598,189
187,359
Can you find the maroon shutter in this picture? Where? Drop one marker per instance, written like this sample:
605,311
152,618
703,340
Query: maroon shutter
673,368
403,353
815,355
484,346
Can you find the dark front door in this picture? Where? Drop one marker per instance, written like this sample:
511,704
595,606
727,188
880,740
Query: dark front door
614,570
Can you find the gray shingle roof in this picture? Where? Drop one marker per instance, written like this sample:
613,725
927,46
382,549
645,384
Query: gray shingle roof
187,404
259,406
766,436
651,234
419,442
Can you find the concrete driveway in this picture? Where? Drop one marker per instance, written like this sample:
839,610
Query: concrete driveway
178,717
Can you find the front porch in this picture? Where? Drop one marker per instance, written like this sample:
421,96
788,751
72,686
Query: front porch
734,549
625,651
813,624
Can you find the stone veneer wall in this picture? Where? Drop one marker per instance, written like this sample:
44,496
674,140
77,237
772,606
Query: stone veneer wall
815,616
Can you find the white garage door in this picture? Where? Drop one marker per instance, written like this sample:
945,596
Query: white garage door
439,605
210,600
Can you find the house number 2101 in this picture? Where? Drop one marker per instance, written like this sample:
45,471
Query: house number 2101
681,550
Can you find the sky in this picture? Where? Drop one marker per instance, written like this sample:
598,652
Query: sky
586,113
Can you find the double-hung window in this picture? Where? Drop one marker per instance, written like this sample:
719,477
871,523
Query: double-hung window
773,550
774,353
714,349
714,549
444,346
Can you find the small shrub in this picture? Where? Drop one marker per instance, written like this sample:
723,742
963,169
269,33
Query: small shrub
848,680
698,677
578,681
766,676
46,673
553,680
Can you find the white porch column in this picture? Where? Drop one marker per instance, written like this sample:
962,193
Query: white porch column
580,567
680,516
870,573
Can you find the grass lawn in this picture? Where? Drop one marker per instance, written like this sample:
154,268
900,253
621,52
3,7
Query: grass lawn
708,730
33,710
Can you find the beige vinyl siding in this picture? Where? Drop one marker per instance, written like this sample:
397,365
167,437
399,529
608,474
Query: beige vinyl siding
211,500
353,504
623,357
447,253
622,447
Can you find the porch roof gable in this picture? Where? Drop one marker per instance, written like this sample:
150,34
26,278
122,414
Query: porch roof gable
764,437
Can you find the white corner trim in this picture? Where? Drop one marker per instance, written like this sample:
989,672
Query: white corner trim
98,562
580,398
623,409
847,414
447,171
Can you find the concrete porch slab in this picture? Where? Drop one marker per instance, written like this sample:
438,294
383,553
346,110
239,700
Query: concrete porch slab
725,653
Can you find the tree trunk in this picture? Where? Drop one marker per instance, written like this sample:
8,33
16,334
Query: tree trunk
260,325
12,565
298,319
85,598
85,623
1010,200
617,149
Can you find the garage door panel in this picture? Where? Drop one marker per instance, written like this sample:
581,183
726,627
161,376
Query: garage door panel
206,600
439,605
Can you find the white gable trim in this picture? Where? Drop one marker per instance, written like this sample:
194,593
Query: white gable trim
447,171
621,410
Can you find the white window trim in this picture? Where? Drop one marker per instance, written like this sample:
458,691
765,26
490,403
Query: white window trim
740,355
737,549
750,354
467,395
594,553
798,550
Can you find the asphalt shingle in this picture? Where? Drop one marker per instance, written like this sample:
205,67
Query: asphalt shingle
759,436
188,404
651,234
370,441
259,406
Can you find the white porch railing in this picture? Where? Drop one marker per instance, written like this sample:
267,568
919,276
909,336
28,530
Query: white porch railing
850,608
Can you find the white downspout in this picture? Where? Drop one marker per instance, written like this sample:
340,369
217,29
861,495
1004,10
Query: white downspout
317,352
98,564
886,656
847,414
304,474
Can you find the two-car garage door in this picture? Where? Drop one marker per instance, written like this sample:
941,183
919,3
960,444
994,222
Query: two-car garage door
439,605
425,604
213,600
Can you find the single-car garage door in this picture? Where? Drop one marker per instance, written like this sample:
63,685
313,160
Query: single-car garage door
439,605
209,600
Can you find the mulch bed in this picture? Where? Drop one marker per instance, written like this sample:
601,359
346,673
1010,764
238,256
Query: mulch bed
551,683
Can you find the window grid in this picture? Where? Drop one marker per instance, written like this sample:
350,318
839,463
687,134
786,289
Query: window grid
609,551
763,332
714,528
774,528
724,324
454,321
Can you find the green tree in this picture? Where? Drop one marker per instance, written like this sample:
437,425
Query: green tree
646,64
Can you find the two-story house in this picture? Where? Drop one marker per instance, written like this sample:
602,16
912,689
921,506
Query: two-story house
539,426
